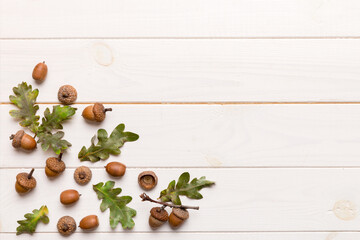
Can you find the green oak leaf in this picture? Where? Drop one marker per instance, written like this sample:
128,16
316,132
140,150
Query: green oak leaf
24,98
119,212
29,224
54,141
106,145
54,119
183,187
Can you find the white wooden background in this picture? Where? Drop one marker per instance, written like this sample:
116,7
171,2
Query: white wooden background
261,96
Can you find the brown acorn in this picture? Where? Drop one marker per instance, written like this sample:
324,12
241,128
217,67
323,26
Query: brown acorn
158,216
147,180
23,140
177,217
115,169
40,72
96,112
66,225
67,94
70,196
89,222
25,182
54,166
82,175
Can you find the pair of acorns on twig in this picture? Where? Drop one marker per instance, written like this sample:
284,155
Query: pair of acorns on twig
159,216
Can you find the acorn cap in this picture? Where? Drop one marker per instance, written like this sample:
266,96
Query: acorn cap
55,165
159,214
99,112
67,94
66,225
181,213
147,180
82,175
16,139
25,182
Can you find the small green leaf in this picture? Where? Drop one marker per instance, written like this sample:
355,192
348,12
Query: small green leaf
24,98
183,180
29,224
106,145
183,187
54,141
54,119
119,212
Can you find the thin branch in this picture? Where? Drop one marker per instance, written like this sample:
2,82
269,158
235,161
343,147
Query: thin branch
145,197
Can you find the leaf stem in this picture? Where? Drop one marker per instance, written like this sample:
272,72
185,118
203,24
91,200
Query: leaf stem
145,197
31,173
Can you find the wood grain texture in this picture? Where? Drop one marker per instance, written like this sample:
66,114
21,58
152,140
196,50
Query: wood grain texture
241,200
210,136
184,235
187,70
179,18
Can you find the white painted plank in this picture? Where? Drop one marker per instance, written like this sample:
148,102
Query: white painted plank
183,18
211,136
200,236
241,200
187,70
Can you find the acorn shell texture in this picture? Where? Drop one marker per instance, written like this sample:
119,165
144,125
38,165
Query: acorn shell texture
16,142
23,180
99,112
55,165
66,225
70,196
159,214
147,180
89,222
82,175
40,71
67,94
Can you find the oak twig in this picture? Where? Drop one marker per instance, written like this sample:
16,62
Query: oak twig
145,197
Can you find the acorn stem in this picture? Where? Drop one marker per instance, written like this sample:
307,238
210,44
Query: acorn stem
60,156
145,197
31,173
107,110
12,136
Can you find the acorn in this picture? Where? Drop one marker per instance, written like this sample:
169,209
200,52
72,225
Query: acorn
54,166
96,112
66,225
40,71
23,140
115,169
177,217
89,222
82,175
158,216
67,94
25,182
147,180
70,196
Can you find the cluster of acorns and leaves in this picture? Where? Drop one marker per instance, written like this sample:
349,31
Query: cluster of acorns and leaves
48,133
